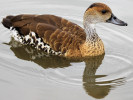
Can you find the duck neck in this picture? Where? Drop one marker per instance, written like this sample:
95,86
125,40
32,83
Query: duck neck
91,35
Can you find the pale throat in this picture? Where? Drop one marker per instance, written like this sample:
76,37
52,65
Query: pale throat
90,30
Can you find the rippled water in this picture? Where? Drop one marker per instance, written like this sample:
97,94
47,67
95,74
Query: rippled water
28,74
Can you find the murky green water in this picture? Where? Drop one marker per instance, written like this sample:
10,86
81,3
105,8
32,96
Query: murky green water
28,74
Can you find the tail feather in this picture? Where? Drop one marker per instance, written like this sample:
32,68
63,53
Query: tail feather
7,21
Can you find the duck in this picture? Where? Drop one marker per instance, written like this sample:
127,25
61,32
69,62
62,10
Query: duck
58,36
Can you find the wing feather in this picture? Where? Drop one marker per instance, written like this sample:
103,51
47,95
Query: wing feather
59,33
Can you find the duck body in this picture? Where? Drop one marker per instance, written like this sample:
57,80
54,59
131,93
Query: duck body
58,36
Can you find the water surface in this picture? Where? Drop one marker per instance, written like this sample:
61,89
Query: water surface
28,74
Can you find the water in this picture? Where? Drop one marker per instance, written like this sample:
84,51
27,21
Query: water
26,74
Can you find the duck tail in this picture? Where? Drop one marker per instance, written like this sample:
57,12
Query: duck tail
7,22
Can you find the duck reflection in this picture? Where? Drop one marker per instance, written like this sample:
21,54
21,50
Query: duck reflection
44,60
89,78
92,87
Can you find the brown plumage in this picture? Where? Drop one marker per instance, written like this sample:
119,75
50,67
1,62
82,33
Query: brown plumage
60,34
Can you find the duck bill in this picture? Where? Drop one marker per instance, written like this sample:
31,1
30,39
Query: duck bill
114,20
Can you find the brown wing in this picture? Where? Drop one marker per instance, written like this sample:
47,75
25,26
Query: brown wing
59,33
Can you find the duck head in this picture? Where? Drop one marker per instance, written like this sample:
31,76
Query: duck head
99,12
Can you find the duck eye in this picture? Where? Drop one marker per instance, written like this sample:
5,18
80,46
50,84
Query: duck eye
103,11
